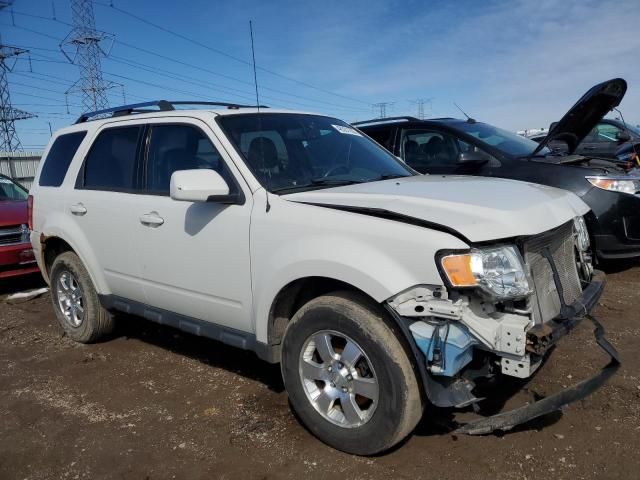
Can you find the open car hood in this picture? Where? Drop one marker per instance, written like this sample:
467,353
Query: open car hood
586,113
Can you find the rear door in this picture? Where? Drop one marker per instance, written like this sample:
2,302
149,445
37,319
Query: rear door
103,205
195,256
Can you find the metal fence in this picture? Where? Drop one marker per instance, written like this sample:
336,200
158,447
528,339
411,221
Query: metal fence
21,166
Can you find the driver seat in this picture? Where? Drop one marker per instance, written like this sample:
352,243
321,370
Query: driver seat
263,155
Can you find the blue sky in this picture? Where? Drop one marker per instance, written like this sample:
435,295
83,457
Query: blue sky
516,64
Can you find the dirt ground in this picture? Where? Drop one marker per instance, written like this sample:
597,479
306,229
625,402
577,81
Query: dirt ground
154,403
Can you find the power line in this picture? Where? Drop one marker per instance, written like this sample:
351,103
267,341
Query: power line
24,14
246,95
26,29
228,77
225,54
199,68
62,103
56,79
37,87
180,77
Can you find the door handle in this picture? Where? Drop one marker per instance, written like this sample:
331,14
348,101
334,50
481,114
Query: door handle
151,219
589,147
78,209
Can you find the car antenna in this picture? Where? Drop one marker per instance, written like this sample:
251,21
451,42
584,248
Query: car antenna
633,145
255,82
469,119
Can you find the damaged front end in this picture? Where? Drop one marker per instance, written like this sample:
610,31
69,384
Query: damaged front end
464,332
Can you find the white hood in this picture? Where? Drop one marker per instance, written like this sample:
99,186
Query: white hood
480,208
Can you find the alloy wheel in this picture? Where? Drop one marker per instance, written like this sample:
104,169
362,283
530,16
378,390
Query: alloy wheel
338,379
70,298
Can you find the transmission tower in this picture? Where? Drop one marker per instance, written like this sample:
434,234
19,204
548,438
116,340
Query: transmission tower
9,141
83,46
421,102
381,108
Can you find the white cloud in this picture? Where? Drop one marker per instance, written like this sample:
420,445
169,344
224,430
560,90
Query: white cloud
516,64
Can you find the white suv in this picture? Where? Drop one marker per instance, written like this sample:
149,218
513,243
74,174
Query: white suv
296,236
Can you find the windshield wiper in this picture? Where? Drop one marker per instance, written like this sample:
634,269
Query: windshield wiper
334,181
388,176
316,182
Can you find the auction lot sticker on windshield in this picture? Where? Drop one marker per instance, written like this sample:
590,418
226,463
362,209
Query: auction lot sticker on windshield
346,130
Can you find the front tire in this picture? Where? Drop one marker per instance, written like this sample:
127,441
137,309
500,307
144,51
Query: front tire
348,377
75,300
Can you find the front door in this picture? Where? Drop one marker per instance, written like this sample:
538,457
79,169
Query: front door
195,257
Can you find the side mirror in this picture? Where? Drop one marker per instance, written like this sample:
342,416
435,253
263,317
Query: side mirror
623,137
200,185
473,158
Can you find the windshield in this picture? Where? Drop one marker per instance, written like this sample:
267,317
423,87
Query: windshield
508,142
11,191
292,152
635,129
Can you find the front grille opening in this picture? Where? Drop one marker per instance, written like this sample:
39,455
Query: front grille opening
546,304
11,235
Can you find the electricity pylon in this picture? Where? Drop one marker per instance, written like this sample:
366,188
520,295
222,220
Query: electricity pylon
84,46
9,141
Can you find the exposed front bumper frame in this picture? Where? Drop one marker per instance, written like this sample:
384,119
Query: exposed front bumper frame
541,337
508,420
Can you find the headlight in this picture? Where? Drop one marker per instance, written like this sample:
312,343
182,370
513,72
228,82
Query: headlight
498,271
616,184
582,234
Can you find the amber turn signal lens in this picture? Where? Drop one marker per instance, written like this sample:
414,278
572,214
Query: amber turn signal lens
458,270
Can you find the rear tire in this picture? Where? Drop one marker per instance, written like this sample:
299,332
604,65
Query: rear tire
379,390
75,300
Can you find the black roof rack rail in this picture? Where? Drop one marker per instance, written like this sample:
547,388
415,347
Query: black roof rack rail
387,119
163,106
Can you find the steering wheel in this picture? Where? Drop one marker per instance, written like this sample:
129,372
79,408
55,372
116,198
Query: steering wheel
336,171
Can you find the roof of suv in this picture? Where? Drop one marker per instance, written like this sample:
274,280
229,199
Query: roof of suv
168,108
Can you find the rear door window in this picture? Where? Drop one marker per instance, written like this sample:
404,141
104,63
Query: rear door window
384,136
112,162
59,158
423,149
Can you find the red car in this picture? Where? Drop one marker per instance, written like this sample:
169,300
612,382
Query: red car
16,255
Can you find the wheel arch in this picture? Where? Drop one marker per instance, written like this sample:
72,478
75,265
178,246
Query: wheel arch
293,296
298,292
66,236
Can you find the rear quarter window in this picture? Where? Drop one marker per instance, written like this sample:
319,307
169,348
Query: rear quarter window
57,162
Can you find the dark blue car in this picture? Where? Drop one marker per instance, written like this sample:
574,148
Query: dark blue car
449,146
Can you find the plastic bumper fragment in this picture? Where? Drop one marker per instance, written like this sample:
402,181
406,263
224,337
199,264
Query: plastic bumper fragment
507,420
